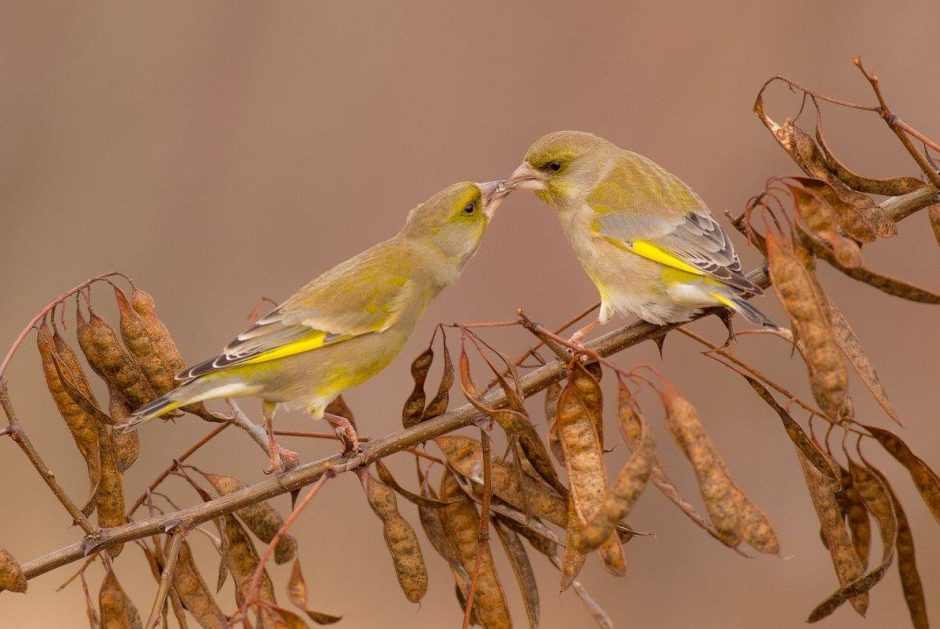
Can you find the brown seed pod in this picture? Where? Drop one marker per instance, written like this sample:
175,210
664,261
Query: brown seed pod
109,499
82,425
297,594
757,529
721,497
847,564
624,493
110,359
12,577
261,518
193,591
413,411
586,380
552,393
400,539
117,610
462,520
126,442
522,491
810,320
911,584
820,217
849,217
572,560
856,516
241,558
438,404
525,577
925,479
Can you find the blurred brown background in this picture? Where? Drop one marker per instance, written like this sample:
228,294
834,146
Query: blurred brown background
219,151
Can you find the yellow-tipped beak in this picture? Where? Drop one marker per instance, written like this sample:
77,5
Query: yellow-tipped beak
527,178
493,194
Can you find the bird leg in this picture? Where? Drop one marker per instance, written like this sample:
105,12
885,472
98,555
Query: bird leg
345,431
578,337
282,459
726,317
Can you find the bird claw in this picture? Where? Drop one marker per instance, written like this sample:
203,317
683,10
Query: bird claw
282,460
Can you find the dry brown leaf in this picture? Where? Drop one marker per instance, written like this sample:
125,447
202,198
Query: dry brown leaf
400,539
117,610
925,479
12,577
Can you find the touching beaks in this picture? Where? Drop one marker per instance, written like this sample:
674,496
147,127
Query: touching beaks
493,194
527,178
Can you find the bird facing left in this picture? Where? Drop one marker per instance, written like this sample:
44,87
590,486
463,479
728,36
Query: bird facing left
345,326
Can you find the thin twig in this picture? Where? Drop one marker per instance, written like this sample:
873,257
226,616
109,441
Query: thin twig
22,440
303,475
166,577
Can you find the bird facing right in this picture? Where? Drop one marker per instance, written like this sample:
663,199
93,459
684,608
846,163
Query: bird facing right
646,240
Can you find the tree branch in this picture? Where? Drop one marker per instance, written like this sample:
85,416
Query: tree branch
897,208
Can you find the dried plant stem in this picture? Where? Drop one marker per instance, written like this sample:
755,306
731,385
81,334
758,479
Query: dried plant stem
19,436
166,577
483,532
896,208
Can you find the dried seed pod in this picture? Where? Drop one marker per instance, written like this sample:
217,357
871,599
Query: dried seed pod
757,529
438,404
117,610
126,442
845,560
925,479
586,380
110,359
297,594
413,411
519,490
810,320
719,493
462,520
261,518
884,283
552,393
12,577
519,560
849,217
241,558
400,539
856,516
820,218
623,494
82,425
194,593
109,499
911,584
572,560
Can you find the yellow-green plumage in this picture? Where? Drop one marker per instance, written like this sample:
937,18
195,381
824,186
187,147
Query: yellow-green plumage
646,240
348,324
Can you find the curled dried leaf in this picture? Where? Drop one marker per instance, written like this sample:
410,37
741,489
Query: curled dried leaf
847,564
413,411
12,577
925,479
82,425
110,359
297,594
462,521
400,539
261,518
117,610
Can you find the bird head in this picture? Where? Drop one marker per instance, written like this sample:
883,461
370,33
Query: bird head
562,166
455,219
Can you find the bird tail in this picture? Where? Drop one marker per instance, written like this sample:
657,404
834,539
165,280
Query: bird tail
749,312
189,393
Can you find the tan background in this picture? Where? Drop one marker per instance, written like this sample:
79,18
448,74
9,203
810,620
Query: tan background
221,151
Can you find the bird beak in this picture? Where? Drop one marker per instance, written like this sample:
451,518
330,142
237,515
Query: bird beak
527,178
493,194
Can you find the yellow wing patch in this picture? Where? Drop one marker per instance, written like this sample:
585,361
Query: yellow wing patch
648,250
314,341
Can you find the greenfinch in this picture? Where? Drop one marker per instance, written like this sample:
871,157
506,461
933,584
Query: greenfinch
646,240
348,324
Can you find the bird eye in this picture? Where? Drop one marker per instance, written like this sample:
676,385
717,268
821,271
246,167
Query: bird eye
469,208
554,166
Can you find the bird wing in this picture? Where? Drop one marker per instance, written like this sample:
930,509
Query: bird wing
363,295
645,209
